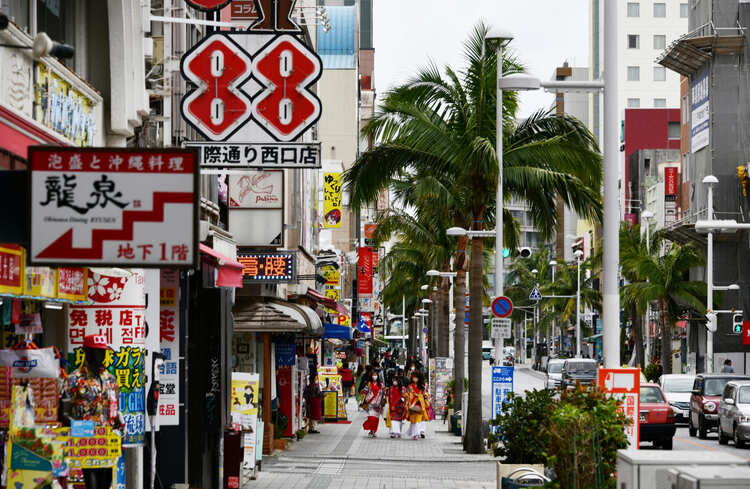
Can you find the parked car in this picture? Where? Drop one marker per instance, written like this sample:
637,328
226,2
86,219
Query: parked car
734,413
656,417
677,389
704,402
508,361
575,370
554,373
488,350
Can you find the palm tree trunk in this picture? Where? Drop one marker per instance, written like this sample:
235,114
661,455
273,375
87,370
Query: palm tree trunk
433,308
666,338
473,442
459,340
635,318
444,315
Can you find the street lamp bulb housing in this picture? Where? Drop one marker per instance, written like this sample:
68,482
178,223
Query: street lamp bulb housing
710,179
455,231
578,254
497,34
535,271
433,273
553,262
733,287
425,287
426,301
520,82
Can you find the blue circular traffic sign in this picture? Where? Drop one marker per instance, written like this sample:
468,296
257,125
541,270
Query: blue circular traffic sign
502,307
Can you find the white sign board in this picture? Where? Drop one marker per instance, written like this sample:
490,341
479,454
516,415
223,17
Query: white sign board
129,207
169,343
501,328
256,190
625,383
700,114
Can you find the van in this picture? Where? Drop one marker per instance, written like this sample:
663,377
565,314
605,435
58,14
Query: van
487,350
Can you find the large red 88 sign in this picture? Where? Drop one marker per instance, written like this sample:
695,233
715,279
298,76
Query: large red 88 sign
219,67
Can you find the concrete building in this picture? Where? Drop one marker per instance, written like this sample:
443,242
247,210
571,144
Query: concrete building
716,109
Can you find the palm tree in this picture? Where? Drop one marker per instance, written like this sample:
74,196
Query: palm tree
633,248
664,279
445,125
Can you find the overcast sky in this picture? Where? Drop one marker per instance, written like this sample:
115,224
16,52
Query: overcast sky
407,33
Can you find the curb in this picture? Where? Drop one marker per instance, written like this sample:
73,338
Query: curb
535,373
389,460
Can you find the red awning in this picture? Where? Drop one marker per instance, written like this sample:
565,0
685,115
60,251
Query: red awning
230,271
18,133
326,301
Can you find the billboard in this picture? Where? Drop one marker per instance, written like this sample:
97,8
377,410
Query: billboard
700,115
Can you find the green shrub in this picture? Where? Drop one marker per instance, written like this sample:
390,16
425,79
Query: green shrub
519,427
652,372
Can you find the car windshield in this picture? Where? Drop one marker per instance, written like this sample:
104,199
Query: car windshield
651,394
714,387
581,368
678,384
744,397
555,368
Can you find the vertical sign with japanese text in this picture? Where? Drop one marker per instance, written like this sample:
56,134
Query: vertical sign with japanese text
169,341
625,384
700,114
502,385
364,270
12,273
119,314
332,200
113,206
670,181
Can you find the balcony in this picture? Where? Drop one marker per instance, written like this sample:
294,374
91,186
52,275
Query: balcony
690,52
683,230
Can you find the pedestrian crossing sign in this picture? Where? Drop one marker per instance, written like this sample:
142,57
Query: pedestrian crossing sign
535,295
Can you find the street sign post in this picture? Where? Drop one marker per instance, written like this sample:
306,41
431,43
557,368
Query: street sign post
502,385
625,383
502,307
535,295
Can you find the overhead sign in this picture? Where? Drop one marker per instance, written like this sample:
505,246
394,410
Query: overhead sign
130,207
700,115
268,267
502,385
502,307
224,157
535,295
625,383
501,328
222,102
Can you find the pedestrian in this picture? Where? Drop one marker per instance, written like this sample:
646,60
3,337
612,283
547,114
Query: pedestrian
314,404
395,407
363,379
727,368
373,400
417,405
347,380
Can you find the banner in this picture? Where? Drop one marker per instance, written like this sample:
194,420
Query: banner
670,181
72,283
12,272
169,343
245,400
364,270
332,200
118,314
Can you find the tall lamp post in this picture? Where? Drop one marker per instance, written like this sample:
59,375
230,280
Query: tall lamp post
578,254
647,216
550,338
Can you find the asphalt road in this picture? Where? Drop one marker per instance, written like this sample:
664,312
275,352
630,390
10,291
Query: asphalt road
523,380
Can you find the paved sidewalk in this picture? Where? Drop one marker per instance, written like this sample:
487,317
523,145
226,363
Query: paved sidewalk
342,456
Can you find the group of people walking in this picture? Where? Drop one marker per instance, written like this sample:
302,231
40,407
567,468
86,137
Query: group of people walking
396,403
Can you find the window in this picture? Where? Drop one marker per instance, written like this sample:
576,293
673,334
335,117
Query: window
57,19
634,9
673,130
660,73
634,41
684,10
17,11
660,41
660,9
660,103
651,395
634,73
634,103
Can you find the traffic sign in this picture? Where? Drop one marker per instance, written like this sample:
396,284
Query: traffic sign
502,385
746,333
535,295
502,307
501,328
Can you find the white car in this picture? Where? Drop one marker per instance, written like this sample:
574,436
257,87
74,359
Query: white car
554,373
677,388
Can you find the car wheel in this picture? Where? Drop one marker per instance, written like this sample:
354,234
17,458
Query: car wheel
737,442
702,430
666,444
723,439
691,431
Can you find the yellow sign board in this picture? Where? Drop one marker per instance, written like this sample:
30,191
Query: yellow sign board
332,200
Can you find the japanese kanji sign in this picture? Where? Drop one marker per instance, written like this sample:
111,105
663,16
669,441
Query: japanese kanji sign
332,200
364,270
12,271
268,267
113,206
220,157
625,384
169,335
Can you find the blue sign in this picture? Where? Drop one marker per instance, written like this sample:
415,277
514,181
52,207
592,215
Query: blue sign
535,295
81,429
285,354
502,385
502,307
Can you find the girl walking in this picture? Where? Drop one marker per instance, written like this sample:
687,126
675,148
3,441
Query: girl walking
395,407
373,400
417,405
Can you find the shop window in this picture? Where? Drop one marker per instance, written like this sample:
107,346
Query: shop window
57,19
18,12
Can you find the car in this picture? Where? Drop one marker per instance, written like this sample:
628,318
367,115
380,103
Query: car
704,402
554,373
734,413
576,370
508,361
488,350
656,417
677,389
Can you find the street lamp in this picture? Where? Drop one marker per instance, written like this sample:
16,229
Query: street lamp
550,339
648,215
710,180
578,254
425,287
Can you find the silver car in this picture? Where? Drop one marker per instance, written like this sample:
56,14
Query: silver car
677,388
554,373
734,413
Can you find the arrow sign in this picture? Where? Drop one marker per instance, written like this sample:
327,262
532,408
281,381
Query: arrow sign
535,295
502,307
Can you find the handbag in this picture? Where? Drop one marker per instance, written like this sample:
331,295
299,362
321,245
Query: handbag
416,409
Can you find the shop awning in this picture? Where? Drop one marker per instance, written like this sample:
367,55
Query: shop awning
337,331
326,301
276,317
230,271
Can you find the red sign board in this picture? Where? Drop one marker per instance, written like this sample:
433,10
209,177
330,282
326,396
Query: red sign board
746,332
207,4
670,181
129,207
625,383
243,10
364,270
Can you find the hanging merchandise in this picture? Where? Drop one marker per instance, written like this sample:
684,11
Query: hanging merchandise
30,321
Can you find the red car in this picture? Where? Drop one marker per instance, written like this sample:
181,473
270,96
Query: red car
656,417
